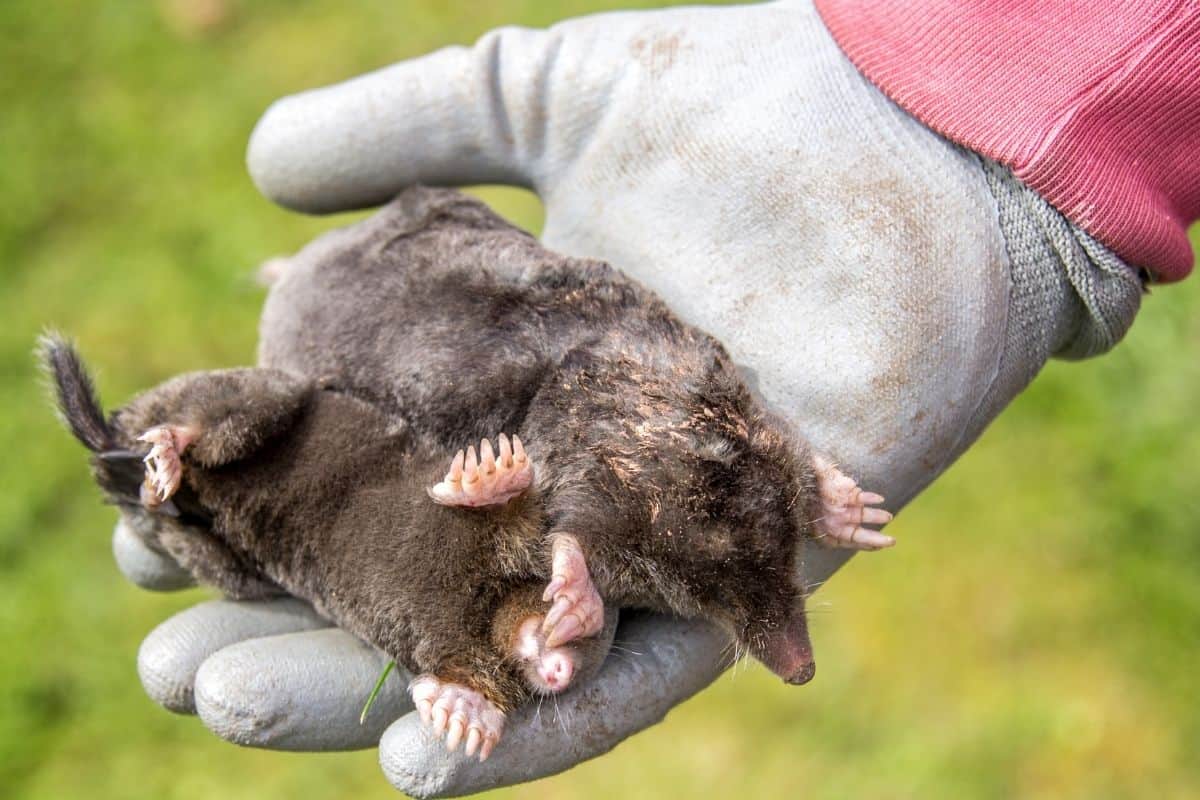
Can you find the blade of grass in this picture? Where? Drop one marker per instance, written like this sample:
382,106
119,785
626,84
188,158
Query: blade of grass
362,718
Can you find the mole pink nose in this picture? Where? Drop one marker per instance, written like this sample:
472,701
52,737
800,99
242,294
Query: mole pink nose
556,670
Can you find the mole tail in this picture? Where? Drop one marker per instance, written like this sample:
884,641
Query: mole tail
78,405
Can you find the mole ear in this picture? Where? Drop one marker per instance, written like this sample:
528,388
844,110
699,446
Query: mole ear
786,650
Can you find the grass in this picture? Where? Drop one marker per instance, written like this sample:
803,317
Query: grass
362,717
1036,635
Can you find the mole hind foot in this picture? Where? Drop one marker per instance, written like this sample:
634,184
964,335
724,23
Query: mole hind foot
846,509
578,611
457,711
490,480
164,469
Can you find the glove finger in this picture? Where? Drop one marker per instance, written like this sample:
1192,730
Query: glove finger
663,662
452,117
144,566
173,652
510,109
299,691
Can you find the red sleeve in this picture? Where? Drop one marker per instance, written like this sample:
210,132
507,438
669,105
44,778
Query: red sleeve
1095,105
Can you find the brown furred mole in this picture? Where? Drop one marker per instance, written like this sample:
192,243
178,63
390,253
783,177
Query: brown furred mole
433,324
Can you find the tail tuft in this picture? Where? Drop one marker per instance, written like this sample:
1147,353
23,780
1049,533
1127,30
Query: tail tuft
78,404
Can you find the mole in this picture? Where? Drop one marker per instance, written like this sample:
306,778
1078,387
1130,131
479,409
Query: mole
470,452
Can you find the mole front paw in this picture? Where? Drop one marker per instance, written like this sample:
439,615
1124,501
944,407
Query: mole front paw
489,480
846,509
164,469
457,711
578,611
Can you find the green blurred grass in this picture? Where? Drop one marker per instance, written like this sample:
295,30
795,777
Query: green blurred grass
1037,634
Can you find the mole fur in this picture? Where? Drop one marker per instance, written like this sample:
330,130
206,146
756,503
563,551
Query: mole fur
387,346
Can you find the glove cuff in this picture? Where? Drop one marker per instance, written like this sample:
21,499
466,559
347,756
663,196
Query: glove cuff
1072,297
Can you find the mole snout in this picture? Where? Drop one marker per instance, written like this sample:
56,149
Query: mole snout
548,670
556,669
786,650
804,675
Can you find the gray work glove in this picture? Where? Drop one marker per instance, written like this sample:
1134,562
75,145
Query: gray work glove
886,291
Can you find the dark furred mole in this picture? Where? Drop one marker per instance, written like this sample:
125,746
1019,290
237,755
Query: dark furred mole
657,482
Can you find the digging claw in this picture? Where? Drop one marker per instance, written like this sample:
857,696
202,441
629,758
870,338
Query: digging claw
846,509
486,479
164,469
578,611
552,588
473,739
568,629
458,713
454,737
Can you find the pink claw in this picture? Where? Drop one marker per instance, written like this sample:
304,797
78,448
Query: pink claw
578,611
846,509
459,713
566,630
473,739
485,480
164,469
486,749
553,587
